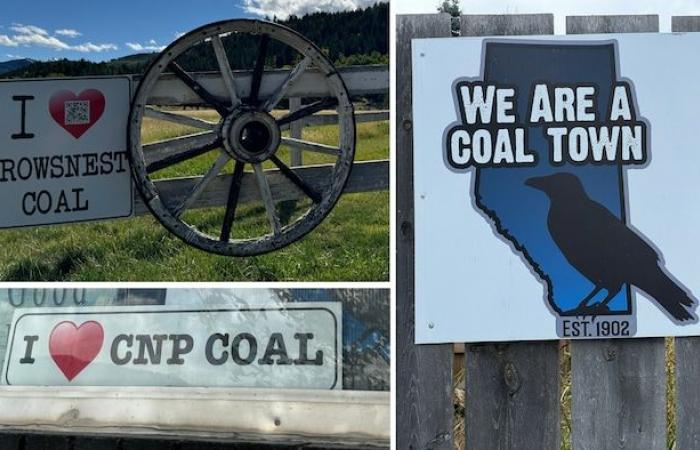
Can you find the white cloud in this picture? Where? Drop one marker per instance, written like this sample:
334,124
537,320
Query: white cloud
28,29
179,34
285,8
6,41
68,32
151,46
33,36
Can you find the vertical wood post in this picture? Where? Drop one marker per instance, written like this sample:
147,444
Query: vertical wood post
618,386
512,389
423,372
687,348
295,131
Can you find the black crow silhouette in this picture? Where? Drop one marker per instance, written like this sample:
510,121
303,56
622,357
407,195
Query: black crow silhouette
604,250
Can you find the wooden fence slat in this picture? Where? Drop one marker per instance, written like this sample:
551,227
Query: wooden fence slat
648,23
618,387
423,372
685,23
502,25
619,394
512,396
687,349
366,176
512,389
687,352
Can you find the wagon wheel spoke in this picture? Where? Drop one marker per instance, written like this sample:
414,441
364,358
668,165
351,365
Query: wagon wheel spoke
198,89
225,69
266,196
307,110
161,155
197,190
178,119
294,178
311,146
259,69
286,84
232,201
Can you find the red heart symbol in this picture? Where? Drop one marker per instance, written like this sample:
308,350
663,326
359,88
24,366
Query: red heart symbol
73,348
77,113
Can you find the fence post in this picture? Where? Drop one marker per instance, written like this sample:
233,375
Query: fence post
687,349
295,131
618,386
423,372
512,389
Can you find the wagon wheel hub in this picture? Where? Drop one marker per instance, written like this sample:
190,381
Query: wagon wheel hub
251,136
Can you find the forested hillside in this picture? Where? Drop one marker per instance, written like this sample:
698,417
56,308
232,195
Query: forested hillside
349,37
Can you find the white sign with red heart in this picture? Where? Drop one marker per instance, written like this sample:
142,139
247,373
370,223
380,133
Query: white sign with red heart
63,151
295,345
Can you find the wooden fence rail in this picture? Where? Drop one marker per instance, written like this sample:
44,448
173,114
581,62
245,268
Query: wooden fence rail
513,389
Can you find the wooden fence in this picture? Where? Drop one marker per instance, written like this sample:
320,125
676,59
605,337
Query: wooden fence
618,387
366,176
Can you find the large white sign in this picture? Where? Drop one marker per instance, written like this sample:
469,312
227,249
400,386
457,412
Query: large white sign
556,187
281,346
63,151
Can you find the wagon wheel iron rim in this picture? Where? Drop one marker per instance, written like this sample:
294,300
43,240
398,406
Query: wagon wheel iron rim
247,135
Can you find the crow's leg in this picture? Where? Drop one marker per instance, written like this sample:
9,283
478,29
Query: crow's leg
611,294
588,298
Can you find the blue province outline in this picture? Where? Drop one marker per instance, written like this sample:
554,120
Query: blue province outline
519,212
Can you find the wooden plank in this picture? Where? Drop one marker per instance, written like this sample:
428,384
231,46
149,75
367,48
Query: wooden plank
512,389
687,349
423,372
512,396
368,176
295,131
619,394
502,25
687,354
612,24
287,416
618,387
360,80
685,23
332,118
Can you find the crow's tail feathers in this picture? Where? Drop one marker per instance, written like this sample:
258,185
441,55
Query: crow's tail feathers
668,294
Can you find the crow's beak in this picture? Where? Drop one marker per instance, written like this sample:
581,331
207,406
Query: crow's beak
537,182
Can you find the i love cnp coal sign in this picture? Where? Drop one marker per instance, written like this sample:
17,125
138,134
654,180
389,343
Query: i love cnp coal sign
63,151
291,346
556,186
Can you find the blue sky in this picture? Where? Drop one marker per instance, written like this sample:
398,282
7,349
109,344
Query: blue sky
105,29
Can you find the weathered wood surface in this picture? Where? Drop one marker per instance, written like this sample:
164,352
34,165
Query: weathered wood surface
618,388
360,80
687,349
618,394
612,24
282,417
423,372
685,23
512,390
687,353
512,396
366,176
506,25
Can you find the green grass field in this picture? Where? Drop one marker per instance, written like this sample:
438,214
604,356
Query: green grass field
352,243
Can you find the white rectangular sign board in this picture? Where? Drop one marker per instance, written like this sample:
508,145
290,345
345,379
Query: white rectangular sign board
63,151
556,187
277,346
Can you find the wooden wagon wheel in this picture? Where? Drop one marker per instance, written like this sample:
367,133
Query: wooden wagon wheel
246,135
